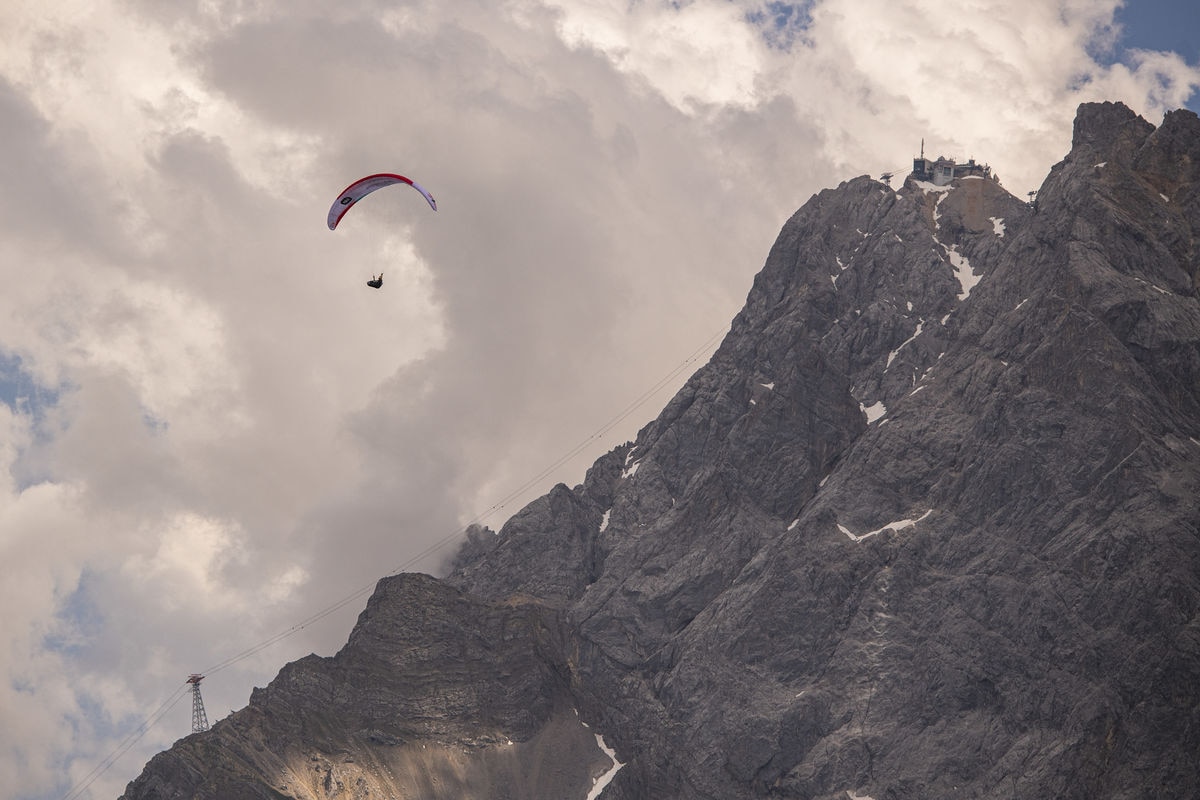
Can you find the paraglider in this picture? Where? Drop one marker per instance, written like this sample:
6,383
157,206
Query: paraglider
360,189
363,187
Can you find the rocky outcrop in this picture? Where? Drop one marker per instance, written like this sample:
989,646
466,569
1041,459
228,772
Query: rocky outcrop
926,526
905,533
436,695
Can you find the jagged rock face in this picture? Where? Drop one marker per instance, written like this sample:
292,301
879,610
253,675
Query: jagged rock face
436,695
926,526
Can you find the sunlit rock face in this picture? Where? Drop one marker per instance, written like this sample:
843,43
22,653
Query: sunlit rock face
926,526
436,695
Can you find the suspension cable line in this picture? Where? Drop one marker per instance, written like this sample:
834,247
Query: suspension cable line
136,735
128,742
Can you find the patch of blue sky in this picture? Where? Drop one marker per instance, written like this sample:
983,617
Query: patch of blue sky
94,722
78,619
782,24
1169,25
1160,26
20,391
26,397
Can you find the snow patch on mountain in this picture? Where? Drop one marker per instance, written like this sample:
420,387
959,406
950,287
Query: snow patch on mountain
896,526
876,410
603,780
967,278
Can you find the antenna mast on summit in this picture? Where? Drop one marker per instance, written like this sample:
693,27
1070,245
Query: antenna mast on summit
199,718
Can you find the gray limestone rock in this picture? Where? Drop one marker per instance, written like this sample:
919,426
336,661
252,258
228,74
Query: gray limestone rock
436,695
927,525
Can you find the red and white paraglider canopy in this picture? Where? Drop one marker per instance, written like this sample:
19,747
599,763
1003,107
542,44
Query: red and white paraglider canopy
363,187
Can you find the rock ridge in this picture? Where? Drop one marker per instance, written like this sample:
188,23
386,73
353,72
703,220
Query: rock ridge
927,525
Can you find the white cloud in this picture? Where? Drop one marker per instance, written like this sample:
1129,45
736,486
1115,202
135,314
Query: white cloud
217,430
994,80
700,53
187,560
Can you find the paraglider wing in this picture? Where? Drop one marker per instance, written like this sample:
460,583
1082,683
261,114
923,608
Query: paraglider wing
363,187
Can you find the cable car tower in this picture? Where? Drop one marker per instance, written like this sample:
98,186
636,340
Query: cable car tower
199,718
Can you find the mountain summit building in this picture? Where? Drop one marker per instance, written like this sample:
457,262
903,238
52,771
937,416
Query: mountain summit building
944,170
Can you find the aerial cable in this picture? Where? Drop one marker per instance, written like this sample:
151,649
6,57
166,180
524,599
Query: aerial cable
601,432
128,742
604,429
184,689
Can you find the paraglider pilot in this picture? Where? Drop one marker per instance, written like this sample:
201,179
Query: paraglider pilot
375,283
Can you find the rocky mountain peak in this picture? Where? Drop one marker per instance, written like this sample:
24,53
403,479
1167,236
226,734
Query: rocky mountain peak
1108,130
927,525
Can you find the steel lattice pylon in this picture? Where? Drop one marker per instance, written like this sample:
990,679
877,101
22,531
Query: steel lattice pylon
199,718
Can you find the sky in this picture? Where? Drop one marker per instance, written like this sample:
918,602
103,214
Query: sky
214,438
